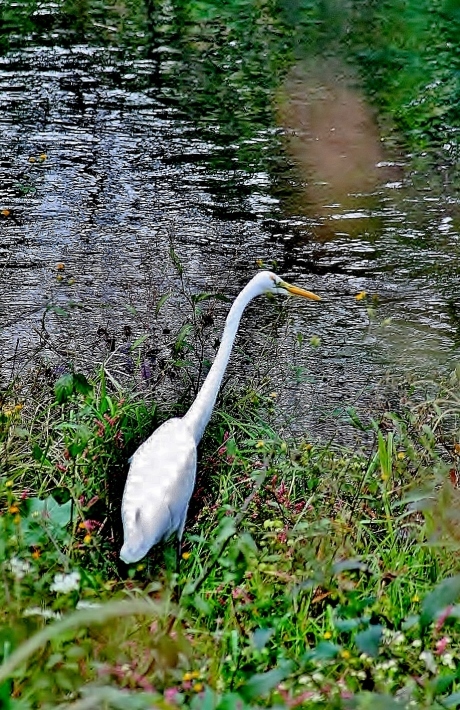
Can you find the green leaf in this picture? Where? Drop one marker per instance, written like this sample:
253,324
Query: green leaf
32,534
5,695
182,337
368,641
38,454
452,701
232,701
442,596
137,343
63,388
226,529
349,566
60,311
262,683
75,448
442,683
231,447
161,302
197,297
201,605
375,701
324,651
176,261
410,621
204,701
344,625
81,384
49,510
260,637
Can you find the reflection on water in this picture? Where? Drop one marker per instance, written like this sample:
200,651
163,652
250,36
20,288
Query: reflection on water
335,143
104,176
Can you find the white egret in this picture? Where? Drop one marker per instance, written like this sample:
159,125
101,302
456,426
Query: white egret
162,473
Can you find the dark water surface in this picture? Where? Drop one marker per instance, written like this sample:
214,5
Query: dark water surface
100,177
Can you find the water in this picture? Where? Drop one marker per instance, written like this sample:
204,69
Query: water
100,177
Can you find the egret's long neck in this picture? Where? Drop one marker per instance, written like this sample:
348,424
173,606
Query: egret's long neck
200,412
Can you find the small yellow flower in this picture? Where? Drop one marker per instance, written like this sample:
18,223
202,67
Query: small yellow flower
401,455
36,554
82,526
5,213
327,635
87,539
31,159
415,598
345,654
18,407
140,567
186,555
17,519
198,687
187,677
273,395
260,444
260,262
359,296
9,484
43,156
60,266
14,509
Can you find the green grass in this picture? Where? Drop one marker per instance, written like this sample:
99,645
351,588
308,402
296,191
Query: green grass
311,575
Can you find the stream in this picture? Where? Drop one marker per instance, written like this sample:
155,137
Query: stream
105,187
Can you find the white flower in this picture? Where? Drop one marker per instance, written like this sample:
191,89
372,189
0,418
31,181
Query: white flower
389,665
448,660
428,659
315,698
304,679
416,643
398,639
66,583
19,568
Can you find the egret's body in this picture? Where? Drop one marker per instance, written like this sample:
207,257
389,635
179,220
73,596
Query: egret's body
162,474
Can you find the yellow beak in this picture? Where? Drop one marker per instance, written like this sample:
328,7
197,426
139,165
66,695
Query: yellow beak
297,291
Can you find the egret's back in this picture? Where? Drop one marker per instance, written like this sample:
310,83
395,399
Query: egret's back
158,489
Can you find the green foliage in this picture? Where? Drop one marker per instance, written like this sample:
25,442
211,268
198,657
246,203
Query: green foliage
407,51
309,574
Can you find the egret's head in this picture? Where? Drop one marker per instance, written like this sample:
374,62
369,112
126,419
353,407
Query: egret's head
271,283
139,533
146,521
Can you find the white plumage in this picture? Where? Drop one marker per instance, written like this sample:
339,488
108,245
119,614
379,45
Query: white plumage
162,473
